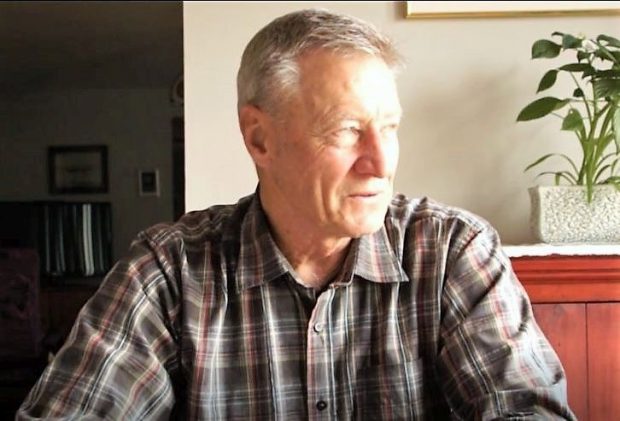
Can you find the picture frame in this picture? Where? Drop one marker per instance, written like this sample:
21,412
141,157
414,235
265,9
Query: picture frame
148,182
483,9
81,169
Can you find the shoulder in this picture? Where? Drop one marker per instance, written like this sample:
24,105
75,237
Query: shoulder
430,223
191,245
407,211
197,228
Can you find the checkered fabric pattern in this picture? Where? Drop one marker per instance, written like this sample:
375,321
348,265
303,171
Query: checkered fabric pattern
206,319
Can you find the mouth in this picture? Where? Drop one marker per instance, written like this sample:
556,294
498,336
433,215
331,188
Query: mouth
364,195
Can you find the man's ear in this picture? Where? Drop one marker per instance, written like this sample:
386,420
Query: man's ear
254,125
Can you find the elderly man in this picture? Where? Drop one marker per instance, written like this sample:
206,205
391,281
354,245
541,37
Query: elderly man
322,295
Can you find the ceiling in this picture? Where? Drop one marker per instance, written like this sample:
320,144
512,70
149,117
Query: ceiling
107,44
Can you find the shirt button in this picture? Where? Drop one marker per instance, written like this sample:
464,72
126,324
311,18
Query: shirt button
321,405
318,327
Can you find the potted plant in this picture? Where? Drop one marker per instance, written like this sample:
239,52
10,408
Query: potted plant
584,204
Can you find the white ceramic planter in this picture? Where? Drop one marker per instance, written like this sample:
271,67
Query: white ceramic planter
561,214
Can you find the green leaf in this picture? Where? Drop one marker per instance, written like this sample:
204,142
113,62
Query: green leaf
606,87
576,67
547,81
549,155
569,41
599,167
614,42
608,74
544,48
600,172
614,181
573,121
605,158
605,141
582,55
541,107
578,93
558,175
616,125
589,72
571,162
605,54
538,161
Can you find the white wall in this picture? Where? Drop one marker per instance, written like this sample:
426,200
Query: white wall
466,81
136,124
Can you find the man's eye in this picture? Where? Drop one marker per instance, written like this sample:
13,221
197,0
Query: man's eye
390,128
346,135
350,130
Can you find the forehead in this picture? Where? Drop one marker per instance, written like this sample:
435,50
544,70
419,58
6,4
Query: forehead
320,66
329,78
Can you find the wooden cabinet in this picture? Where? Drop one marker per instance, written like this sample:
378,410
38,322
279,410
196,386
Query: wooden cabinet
576,301
60,306
604,361
565,327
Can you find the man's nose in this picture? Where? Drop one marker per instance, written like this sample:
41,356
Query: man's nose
374,149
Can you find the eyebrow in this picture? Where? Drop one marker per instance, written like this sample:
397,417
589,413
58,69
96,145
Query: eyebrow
337,113
334,113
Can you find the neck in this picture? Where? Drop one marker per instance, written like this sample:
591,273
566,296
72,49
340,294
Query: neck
315,258
318,266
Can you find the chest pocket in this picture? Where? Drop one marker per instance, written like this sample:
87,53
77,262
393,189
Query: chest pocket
389,392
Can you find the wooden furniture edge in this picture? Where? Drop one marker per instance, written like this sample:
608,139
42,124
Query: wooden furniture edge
560,278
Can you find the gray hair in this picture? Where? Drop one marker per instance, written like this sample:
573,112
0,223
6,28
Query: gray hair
269,66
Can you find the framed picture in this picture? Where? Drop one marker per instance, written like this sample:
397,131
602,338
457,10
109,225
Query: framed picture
480,9
78,169
148,182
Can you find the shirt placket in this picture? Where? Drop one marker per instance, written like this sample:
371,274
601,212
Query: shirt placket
321,402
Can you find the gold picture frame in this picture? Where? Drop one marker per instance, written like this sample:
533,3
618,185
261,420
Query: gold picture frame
503,9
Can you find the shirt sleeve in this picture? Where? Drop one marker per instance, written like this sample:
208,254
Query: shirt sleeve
494,361
120,358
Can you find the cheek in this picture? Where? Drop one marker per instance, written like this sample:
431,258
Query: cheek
396,159
329,166
392,155
292,161
341,176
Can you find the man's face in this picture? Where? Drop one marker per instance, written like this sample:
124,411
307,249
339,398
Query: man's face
335,146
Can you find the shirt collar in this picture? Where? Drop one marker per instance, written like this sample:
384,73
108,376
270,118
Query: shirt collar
371,257
260,259
374,258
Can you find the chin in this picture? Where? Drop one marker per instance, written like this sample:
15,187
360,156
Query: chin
368,226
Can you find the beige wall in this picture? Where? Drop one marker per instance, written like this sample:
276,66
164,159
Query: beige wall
465,83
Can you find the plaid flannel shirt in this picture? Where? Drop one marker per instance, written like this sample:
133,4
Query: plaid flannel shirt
204,319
